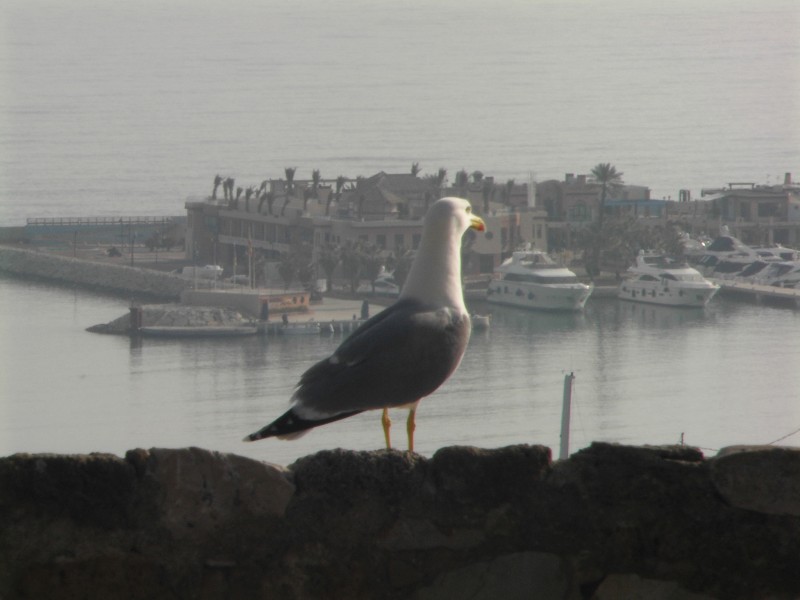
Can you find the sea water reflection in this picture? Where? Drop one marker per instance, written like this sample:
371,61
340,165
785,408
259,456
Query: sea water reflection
720,376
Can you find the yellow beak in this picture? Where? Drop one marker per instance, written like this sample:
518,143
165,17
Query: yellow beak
475,222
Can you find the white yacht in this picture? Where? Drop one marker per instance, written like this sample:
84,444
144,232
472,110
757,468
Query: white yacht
659,279
531,279
779,274
727,257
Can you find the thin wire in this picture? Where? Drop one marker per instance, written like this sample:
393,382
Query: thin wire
780,439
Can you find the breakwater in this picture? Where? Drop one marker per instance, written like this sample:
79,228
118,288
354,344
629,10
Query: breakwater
120,279
609,522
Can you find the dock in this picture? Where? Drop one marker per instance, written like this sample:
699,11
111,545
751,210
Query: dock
759,293
332,315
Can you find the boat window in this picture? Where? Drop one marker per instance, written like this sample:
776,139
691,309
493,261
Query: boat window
669,276
709,260
647,277
722,244
531,278
753,268
728,266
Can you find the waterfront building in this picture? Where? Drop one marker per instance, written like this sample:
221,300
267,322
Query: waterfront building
757,214
384,210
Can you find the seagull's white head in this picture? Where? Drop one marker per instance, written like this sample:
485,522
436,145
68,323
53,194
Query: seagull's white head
454,214
435,276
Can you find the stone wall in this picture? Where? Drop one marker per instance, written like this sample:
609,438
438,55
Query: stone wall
610,522
123,279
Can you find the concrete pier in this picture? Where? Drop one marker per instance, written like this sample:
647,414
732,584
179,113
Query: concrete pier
759,293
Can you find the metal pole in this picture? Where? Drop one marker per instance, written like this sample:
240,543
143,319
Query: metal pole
565,415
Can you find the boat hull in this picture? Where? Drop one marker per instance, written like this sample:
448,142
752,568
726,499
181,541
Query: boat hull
657,293
196,331
539,297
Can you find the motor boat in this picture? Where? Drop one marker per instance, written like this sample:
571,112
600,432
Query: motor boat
383,285
779,274
532,279
727,257
660,279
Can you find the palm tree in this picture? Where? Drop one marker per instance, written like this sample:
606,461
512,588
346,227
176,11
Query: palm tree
287,269
487,190
351,263
371,261
415,169
217,181
316,178
607,176
441,176
289,171
270,202
261,200
340,181
329,259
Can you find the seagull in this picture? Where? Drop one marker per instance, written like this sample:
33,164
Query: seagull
403,353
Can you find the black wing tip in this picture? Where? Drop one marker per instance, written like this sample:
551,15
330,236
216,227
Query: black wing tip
289,423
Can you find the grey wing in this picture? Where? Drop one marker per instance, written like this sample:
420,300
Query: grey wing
398,359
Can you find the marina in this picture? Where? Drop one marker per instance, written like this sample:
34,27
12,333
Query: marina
644,374
127,145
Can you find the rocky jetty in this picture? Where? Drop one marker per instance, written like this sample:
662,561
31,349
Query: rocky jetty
175,315
121,279
610,522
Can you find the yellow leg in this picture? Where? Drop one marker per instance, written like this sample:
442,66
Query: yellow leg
387,425
411,425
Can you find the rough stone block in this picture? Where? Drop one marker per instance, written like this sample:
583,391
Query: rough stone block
202,490
760,478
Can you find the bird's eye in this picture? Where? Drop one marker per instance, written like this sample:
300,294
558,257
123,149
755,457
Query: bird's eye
469,209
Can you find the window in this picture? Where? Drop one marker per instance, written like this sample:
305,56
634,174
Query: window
416,240
578,212
399,240
768,210
380,241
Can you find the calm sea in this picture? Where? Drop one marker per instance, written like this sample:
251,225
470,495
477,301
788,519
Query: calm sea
127,108
643,375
